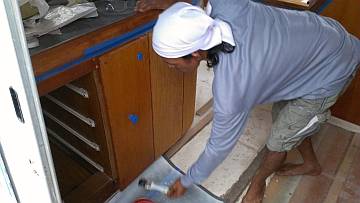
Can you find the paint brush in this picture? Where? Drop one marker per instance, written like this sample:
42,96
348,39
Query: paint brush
150,185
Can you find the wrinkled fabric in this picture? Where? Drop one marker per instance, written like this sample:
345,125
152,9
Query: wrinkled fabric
171,36
279,55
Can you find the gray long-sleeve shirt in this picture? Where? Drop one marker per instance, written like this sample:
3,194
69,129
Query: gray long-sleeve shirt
279,55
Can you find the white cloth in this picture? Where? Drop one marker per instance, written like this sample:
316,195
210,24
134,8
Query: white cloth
183,29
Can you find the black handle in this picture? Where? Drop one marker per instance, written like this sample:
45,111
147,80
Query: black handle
16,104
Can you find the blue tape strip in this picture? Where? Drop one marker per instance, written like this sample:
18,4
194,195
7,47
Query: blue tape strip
323,6
97,50
109,44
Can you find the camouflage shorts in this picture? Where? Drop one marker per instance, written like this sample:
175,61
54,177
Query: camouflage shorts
294,120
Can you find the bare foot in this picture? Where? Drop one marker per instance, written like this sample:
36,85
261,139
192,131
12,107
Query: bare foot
299,169
255,193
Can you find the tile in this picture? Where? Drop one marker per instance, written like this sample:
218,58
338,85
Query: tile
230,170
332,149
191,151
227,173
258,128
281,189
311,189
351,188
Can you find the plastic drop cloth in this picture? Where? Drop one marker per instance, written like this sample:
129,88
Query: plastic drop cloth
163,172
57,18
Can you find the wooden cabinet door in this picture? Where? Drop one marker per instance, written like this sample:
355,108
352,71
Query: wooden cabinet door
167,101
189,99
173,102
125,76
347,12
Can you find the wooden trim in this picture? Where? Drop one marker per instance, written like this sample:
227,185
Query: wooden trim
65,77
344,124
59,55
189,97
197,127
96,189
202,110
106,123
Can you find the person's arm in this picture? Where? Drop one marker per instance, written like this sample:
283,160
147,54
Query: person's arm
226,130
145,5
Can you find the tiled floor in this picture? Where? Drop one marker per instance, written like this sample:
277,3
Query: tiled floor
338,152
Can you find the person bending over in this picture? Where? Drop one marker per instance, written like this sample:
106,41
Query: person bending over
297,60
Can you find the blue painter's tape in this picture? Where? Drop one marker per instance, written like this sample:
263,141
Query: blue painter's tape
323,6
139,56
133,118
98,49
61,69
116,41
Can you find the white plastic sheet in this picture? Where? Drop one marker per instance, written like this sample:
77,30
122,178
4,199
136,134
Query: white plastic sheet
57,18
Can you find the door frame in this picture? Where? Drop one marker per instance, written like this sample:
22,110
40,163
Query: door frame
26,156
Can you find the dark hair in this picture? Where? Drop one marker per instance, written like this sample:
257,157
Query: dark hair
212,54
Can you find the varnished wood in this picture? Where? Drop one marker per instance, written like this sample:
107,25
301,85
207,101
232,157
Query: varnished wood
70,173
74,49
347,107
189,100
106,124
65,77
88,107
167,102
347,12
195,128
126,88
204,108
96,189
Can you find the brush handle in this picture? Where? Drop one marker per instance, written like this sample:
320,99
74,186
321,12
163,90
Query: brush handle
160,188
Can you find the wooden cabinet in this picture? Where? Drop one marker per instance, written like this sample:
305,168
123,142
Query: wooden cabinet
149,105
189,100
125,76
167,103
347,12
119,111
173,99
74,113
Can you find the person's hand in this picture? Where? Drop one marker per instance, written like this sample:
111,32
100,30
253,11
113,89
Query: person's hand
176,190
145,5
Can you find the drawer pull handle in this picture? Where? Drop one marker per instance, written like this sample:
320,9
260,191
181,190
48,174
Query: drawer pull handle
81,91
72,148
72,131
85,119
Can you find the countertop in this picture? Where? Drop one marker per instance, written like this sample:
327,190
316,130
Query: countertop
76,29
77,38
59,51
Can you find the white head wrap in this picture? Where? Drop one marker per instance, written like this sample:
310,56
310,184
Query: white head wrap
183,29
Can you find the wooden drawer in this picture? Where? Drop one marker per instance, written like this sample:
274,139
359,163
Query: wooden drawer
79,121
84,105
84,150
65,118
